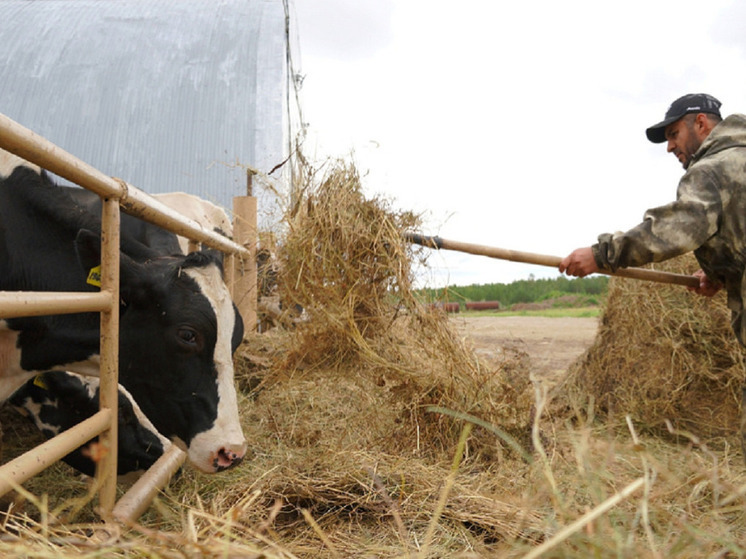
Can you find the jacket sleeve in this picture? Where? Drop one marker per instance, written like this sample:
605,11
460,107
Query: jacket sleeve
666,231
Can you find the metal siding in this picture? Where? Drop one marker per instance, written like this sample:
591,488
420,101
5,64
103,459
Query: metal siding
166,95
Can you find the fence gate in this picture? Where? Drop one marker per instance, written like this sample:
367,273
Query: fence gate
115,195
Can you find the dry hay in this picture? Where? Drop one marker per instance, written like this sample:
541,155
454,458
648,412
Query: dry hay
345,262
663,353
346,460
365,391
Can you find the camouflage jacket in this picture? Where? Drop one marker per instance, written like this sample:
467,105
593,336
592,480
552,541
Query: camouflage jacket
708,217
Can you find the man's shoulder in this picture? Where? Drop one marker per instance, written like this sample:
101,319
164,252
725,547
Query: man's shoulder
737,119
729,133
722,157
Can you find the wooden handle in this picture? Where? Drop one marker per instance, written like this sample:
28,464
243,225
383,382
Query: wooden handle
546,260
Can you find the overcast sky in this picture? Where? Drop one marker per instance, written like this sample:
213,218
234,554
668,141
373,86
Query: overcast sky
512,124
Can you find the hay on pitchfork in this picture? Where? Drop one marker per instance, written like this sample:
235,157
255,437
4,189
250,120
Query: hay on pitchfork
344,261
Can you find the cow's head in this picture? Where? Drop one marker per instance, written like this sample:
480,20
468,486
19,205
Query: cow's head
178,331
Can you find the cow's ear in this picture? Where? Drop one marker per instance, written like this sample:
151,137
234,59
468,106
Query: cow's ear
217,256
88,248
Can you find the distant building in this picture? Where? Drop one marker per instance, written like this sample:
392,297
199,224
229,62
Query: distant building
167,95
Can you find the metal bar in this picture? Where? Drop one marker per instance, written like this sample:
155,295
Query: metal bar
106,469
140,204
37,459
39,303
28,145
137,499
546,260
229,267
25,143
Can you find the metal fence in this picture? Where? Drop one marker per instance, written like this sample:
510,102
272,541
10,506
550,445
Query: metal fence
115,194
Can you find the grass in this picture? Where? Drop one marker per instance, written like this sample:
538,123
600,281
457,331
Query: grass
581,312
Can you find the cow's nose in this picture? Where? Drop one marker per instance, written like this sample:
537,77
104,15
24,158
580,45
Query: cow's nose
228,457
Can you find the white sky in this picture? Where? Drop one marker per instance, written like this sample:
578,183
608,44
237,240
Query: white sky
512,124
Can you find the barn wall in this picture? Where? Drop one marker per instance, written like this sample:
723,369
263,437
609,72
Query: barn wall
168,95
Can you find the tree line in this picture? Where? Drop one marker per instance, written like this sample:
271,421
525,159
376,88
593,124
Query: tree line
531,290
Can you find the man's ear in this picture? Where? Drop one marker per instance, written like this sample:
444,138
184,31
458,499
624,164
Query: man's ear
703,126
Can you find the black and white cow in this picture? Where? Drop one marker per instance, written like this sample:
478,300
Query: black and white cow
162,241
57,400
178,325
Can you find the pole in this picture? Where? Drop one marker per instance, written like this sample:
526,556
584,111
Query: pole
244,285
545,260
106,469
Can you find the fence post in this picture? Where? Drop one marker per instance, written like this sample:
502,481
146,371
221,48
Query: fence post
106,468
243,287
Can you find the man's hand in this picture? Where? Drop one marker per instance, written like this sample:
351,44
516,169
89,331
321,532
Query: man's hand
579,262
707,287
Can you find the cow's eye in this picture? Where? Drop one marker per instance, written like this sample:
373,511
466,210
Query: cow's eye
188,337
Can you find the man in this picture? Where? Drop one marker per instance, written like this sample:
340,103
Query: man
708,215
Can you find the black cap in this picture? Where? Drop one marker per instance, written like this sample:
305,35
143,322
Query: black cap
691,103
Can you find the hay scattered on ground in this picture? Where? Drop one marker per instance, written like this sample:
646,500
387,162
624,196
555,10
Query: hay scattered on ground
663,353
375,432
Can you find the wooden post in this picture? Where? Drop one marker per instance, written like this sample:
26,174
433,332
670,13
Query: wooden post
243,287
138,497
106,469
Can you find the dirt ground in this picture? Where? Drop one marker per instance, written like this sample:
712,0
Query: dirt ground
552,344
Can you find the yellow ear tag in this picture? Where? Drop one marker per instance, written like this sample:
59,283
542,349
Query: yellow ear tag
94,276
39,381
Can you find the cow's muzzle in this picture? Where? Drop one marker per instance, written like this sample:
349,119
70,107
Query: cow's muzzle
227,458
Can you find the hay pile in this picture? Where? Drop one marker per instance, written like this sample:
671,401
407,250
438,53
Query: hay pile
355,416
356,408
663,353
345,262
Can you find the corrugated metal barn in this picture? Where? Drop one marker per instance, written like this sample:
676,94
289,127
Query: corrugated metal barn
168,95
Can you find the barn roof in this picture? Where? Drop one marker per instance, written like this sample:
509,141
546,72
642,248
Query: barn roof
168,95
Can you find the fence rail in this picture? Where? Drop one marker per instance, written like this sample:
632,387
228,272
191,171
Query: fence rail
33,462
34,303
34,148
